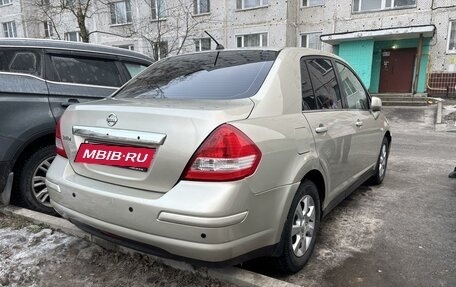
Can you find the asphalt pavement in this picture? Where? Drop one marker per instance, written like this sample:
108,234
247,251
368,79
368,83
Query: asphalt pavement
401,233
416,245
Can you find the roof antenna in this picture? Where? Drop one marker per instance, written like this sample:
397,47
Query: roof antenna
219,46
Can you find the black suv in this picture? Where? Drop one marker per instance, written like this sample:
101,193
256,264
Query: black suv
38,80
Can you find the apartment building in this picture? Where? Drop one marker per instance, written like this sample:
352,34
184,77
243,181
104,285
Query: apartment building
396,46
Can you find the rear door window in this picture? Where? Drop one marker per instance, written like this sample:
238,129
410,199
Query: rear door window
324,83
90,71
24,62
308,97
211,75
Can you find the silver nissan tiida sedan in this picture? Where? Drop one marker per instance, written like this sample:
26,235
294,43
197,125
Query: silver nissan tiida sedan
221,156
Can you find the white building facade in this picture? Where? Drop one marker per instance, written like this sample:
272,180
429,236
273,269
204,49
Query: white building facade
405,46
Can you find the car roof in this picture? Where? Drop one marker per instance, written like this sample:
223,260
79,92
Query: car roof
72,46
311,52
283,51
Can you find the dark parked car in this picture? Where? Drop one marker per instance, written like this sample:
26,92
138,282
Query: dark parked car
38,80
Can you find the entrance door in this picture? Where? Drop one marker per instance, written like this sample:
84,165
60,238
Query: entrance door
396,72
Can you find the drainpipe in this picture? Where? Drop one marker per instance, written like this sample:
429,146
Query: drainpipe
418,64
23,22
225,26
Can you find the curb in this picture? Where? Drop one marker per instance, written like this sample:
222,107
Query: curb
231,275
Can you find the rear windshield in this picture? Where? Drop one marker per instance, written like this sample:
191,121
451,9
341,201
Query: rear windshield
211,75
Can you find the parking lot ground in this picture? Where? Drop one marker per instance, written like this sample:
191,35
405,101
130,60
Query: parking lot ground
401,233
54,243
35,255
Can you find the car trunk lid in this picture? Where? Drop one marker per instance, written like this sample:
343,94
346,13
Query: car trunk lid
171,129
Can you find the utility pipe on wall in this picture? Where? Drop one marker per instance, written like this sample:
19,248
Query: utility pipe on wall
418,64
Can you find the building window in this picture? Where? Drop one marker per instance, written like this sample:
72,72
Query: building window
5,2
309,3
160,49
252,40
76,3
452,37
48,29
158,9
246,4
120,12
372,5
311,40
9,29
201,6
73,36
202,44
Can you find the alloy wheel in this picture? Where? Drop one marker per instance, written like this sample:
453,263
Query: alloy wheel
302,230
382,161
39,188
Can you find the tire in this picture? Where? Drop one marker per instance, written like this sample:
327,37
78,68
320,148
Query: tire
30,185
296,253
382,162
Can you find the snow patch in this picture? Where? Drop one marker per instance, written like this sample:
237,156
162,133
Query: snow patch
23,253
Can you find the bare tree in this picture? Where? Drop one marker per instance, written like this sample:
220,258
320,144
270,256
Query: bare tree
60,12
167,28
42,11
80,9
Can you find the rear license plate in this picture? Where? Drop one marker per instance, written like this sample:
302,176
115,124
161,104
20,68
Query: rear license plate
137,158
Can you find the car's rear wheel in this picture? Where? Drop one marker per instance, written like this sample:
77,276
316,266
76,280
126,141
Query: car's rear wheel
382,162
31,186
301,229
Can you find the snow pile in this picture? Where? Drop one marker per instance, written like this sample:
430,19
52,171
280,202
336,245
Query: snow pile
25,255
34,256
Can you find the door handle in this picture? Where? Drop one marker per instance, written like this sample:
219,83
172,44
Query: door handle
69,102
321,129
359,123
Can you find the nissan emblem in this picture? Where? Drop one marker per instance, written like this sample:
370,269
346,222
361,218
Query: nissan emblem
111,119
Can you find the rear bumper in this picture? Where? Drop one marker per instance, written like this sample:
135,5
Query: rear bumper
167,247
211,222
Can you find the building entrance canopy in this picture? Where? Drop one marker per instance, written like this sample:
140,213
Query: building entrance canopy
372,53
427,31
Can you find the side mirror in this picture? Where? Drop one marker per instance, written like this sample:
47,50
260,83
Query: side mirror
376,104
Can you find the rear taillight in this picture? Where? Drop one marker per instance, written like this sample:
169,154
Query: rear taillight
58,141
227,154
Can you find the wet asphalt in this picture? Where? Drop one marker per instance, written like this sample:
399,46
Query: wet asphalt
401,233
